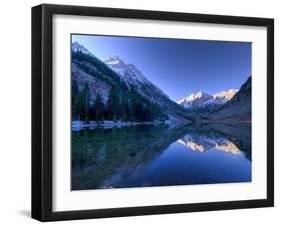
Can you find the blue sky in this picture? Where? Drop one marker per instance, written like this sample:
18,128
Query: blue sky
178,67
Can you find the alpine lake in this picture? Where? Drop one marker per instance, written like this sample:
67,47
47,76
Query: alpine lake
158,155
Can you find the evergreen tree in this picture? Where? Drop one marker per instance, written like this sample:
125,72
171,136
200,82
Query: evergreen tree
92,112
124,102
114,104
99,106
74,97
79,103
86,100
111,104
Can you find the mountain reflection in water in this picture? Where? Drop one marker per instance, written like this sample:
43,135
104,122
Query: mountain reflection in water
149,155
203,143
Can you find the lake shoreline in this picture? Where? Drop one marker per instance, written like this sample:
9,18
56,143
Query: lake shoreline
148,156
106,124
229,122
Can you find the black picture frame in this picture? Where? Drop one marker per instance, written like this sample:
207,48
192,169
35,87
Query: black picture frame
42,111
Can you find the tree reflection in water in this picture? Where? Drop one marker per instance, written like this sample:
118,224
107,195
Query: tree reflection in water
149,155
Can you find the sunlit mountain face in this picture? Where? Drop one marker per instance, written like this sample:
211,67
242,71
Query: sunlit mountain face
204,143
228,147
192,145
201,100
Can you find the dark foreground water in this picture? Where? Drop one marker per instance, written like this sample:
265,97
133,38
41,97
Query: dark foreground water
149,155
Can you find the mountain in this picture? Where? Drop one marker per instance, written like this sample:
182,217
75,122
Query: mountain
225,137
128,72
120,90
115,90
201,100
204,143
133,77
77,47
195,100
239,108
226,95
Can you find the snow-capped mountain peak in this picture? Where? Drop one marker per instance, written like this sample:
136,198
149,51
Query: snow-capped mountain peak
195,100
131,75
77,47
226,94
128,72
201,100
204,143
197,95
102,76
115,60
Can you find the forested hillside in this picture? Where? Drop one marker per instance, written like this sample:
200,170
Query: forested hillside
117,101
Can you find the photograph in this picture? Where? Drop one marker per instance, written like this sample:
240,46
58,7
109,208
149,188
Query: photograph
141,112
149,111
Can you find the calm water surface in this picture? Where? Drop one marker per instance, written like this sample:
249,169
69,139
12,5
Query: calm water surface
149,155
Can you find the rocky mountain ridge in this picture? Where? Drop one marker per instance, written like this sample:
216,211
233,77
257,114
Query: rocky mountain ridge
113,80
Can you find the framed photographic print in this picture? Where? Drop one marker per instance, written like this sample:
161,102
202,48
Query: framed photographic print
146,112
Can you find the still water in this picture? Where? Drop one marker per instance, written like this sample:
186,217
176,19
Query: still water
149,155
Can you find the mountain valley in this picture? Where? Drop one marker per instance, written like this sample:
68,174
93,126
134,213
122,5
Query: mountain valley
115,91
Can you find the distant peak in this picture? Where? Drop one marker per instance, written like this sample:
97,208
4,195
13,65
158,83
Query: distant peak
114,60
194,96
198,94
228,94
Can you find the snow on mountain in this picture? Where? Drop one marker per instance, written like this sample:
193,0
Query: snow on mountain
102,76
195,100
204,143
201,100
77,47
198,95
131,75
226,94
128,72
238,108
